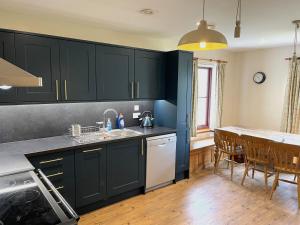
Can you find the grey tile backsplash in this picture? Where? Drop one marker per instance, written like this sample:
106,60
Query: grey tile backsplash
22,122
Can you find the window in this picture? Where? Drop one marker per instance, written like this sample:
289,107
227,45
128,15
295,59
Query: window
204,95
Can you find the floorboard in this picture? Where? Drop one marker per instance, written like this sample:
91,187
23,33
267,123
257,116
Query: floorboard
205,199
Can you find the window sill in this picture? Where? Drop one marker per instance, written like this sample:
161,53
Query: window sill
203,130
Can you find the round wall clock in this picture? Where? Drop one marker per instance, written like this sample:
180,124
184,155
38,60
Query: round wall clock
259,77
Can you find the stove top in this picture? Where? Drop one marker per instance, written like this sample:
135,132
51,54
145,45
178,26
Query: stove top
22,202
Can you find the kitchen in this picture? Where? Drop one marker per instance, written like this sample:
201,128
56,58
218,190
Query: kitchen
101,125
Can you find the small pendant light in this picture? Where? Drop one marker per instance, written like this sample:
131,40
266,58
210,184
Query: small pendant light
237,29
202,38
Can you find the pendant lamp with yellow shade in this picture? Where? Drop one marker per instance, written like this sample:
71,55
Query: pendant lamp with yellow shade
203,38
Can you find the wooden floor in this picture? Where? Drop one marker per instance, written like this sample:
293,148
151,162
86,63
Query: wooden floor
205,199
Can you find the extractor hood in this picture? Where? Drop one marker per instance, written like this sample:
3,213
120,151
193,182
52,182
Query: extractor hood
13,76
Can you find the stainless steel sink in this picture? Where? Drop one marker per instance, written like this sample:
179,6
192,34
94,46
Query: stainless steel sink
99,136
123,133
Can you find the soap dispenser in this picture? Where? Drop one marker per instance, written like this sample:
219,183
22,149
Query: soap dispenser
108,125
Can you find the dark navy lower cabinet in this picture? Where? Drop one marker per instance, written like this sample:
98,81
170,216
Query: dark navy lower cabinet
95,176
125,166
59,168
90,173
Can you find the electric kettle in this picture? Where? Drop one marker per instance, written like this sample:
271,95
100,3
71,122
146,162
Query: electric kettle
146,119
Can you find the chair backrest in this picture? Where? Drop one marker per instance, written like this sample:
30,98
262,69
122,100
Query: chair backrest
226,141
286,157
256,149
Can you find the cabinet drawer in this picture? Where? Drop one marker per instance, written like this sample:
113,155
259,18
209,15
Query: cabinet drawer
59,168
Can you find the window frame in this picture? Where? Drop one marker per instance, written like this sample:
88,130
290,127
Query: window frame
209,83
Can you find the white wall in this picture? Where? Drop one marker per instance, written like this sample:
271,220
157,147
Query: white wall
261,105
84,31
232,87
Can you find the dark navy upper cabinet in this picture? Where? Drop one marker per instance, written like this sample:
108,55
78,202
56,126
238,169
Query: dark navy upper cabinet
40,57
90,172
149,71
78,78
126,166
7,52
115,73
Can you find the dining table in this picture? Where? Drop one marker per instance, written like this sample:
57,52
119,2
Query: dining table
276,136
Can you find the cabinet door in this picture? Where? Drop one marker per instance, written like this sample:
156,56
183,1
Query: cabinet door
90,173
115,73
126,166
149,74
39,56
7,52
183,110
77,61
59,168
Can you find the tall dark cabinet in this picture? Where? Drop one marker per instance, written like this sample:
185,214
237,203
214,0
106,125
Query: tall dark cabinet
7,52
40,57
175,110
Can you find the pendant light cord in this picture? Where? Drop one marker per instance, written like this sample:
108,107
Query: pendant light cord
296,39
203,10
238,11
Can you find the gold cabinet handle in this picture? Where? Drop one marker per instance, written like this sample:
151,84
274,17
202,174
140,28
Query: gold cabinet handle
56,86
51,161
92,150
55,174
137,89
132,90
66,91
142,147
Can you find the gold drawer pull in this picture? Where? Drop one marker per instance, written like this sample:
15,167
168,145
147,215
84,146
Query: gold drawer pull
52,160
92,150
55,174
58,188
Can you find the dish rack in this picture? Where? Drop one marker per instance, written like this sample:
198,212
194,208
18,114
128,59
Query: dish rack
88,134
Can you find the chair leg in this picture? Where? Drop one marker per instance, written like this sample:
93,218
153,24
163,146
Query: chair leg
274,184
245,172
232,165
229,158
253,169
266,177
298,188
218,161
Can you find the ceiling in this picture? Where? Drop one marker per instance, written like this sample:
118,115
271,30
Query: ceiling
265,23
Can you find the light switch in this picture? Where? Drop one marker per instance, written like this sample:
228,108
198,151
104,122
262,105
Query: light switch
136,107
136,115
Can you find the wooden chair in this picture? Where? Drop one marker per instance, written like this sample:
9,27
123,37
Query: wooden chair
227,143
286,160
257,153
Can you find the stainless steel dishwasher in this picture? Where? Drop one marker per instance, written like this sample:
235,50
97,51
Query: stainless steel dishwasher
161,156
